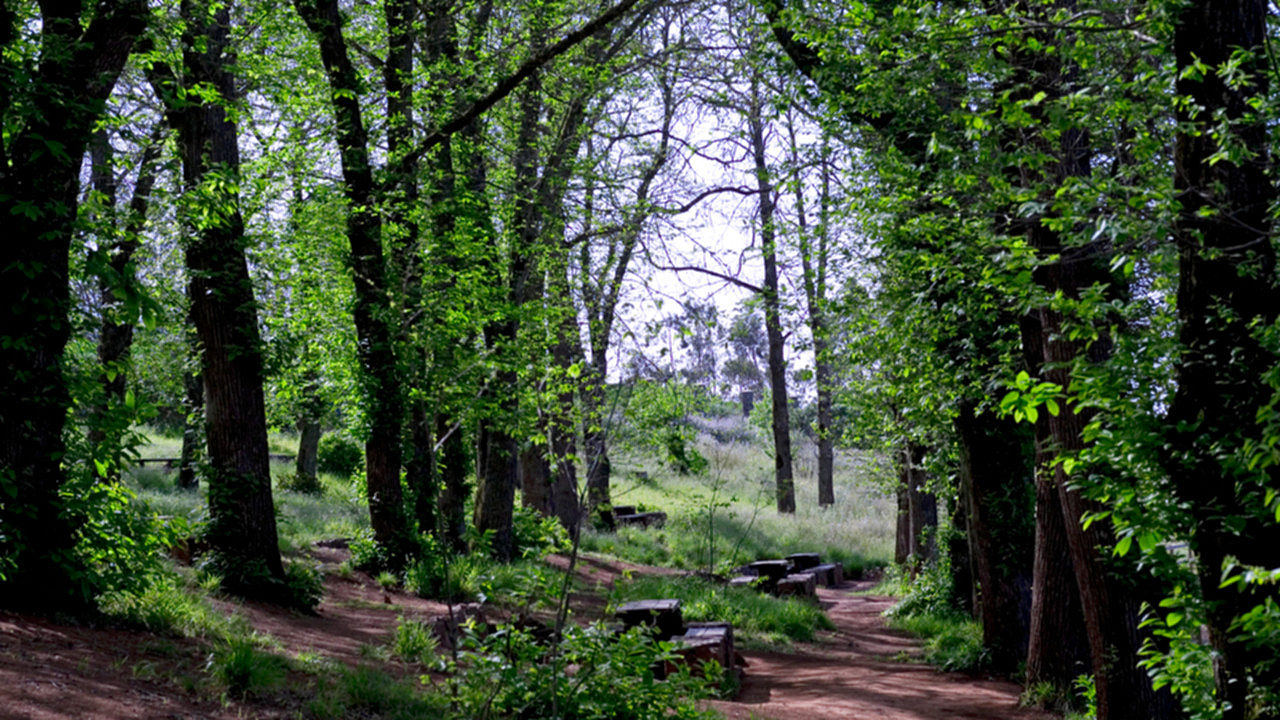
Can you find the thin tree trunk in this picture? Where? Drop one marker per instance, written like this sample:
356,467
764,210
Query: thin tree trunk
452,464
193,446
783,475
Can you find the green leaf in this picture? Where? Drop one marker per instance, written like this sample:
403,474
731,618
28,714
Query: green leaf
1173,619
1122,547
1052,406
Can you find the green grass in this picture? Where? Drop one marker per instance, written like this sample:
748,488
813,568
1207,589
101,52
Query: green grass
738,493
339,511
364,692
243,670
952,641
754,615
176,605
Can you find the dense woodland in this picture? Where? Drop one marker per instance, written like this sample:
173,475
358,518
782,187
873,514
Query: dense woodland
1021,248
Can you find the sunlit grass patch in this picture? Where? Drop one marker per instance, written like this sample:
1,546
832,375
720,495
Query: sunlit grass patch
752,613
727,516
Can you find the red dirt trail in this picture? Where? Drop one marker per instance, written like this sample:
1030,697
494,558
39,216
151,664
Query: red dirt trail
855,673
51,671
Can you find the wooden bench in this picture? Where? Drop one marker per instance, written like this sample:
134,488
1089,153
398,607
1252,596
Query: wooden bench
801,562
173,462
797,585
829,575
663,616
644,519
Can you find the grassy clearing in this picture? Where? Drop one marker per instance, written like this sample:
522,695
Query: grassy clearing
754,615
726,517
339,511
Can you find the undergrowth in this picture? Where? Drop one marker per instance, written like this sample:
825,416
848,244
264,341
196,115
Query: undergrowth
952,639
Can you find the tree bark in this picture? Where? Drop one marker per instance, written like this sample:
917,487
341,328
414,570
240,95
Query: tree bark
305,464
996,488
192,422
242,524
1227,293
781,423
382,388
81,57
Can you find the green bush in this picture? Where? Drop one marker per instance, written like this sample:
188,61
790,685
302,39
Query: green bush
243,670
952,640
169,606
507,673
535,535
414,642
339,454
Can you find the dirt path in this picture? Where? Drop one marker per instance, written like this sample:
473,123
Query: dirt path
52,671
855,673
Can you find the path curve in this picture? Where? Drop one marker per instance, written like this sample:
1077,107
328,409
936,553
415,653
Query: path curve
857,673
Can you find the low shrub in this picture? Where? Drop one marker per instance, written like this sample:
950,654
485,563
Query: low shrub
243,670
339,454
507,673
172,606
414,642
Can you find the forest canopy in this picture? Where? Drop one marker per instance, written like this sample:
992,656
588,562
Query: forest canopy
1023,249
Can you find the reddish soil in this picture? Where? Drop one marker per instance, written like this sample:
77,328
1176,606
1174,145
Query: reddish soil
857,672
54,671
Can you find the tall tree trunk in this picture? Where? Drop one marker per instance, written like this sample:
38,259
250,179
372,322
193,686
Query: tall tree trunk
996,488
496,494
783,475
917,509
382,388
402,227
1227,294
452,464
561,428
813,264
594,434
242,523
83,48
1110,596
193,446
306,464
118,242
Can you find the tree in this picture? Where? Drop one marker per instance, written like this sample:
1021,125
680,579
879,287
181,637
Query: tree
242,522
50,100
383,391
1227,295
120,299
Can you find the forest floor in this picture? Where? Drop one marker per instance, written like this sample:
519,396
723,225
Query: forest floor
860,671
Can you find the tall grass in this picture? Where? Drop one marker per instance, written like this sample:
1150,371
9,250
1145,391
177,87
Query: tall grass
726,516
